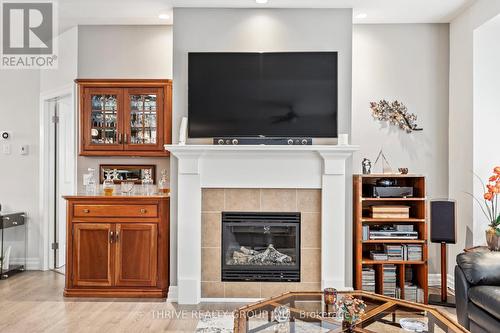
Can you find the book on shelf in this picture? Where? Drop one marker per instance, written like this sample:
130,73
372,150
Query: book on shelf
366,232
389,280
394,252
390,212
368,279
398,252
378,256
412,293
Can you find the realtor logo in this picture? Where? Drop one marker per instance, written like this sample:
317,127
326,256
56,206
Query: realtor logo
28,35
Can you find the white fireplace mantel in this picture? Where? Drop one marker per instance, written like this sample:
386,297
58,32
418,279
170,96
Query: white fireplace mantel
257,166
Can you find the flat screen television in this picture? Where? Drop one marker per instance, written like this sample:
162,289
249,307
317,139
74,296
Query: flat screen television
291,94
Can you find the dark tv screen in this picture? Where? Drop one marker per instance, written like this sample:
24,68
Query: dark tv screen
263,94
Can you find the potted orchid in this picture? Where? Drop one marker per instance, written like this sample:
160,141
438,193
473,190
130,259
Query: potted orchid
490,209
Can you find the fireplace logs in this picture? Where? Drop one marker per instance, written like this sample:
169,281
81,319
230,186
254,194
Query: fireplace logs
269,256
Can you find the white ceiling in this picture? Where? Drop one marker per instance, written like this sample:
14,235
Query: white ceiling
73,12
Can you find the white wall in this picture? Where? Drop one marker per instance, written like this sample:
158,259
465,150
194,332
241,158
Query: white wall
461,117
250,30
486,114
19,93
407,62
142,52
67,68
119,51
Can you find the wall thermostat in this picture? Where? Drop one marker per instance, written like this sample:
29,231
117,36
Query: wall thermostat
5,135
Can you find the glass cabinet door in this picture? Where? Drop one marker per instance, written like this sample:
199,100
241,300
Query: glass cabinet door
143,119
103,130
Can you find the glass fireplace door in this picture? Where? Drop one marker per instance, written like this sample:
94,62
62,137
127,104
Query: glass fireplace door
260,248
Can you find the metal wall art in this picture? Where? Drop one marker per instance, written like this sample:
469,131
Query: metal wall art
396,113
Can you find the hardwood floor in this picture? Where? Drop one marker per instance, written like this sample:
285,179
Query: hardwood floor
33,302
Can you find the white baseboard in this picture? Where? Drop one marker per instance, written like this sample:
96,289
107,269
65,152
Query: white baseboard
450,278
434,280
172,294
32,264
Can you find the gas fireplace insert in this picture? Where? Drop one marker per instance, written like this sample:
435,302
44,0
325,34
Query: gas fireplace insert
260,246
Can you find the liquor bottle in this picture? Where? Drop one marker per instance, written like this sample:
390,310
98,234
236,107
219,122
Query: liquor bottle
163,184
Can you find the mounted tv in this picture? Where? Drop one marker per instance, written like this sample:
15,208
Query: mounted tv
292,94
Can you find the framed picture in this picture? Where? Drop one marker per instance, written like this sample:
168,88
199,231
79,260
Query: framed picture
127,172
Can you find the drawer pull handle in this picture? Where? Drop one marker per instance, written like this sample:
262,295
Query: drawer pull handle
86,211
143,211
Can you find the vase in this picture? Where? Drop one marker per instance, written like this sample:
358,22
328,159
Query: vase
493,240
347,326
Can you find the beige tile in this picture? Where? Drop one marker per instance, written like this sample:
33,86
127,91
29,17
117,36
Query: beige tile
242,289
278,200
310,230
309,286
211,228
310,270
271,289
309,201
212,289
212,200
242,200
210,264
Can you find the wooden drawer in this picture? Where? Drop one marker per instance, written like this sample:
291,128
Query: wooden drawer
115,210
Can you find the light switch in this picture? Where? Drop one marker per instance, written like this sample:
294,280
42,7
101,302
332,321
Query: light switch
24,150
6,148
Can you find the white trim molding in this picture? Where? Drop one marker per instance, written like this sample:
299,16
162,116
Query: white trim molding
435,280
46,177
257,166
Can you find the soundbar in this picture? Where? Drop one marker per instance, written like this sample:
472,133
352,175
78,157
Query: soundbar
263,141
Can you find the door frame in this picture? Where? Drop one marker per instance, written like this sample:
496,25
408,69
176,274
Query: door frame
46,180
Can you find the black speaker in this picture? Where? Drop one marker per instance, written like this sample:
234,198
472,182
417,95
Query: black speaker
443,221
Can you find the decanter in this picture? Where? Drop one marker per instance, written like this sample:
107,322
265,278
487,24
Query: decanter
163,184
91,183
147,183
108,185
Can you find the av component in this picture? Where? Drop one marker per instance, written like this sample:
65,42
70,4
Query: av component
263,141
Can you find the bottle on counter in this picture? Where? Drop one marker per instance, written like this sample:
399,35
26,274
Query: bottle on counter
108,185
90,182
163,184
147,183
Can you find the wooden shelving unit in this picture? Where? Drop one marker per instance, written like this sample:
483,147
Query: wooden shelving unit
417,218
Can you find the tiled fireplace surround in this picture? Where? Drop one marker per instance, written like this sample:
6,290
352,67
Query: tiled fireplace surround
215,201
247,172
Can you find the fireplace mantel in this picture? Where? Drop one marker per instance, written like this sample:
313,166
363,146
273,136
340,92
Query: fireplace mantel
257,166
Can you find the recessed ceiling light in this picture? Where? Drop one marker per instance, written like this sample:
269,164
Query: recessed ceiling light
163,16
361,16
261,1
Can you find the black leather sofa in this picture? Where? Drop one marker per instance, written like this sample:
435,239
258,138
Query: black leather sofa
477,291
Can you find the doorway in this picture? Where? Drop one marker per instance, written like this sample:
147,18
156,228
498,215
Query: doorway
58,154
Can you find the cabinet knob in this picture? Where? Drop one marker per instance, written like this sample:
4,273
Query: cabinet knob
86,211
143,211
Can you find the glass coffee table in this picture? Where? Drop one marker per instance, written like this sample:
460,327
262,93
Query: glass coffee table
307,313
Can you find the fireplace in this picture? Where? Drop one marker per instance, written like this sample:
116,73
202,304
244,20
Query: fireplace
260,246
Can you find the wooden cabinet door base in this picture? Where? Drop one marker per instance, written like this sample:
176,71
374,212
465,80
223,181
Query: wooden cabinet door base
136,254
93,254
